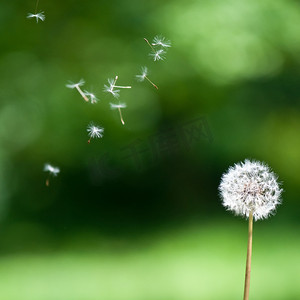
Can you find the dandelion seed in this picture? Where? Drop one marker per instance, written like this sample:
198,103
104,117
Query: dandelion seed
250,189
110,88
158,55
92,96
77,86
52,171
38,16
143,76
94,132
161,41
118,107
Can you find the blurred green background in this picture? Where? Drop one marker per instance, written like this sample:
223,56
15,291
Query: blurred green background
136,215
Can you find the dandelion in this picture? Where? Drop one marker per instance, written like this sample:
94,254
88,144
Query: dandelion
250,189
110,88
77,86
92,96
143,76
161,41
38,16
119,106
52,171
158,55
94,132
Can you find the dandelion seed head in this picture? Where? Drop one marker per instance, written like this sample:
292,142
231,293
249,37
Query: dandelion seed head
40,16
158,55
92,97
144,71
161,41
111,82
95,131
72,85
52,170
250,186
110,87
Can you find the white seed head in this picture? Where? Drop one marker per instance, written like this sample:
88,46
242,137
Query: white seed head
158,55
39,16
144,74
95,131
72,85
161,41
115,93
92,97
116,106
110,88
250,186
52,170
112,81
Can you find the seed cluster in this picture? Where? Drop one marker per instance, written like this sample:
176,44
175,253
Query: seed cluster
250,186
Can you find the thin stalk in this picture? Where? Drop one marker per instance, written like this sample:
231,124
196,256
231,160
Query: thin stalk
115,81
112,86
119,109
82,93
249,254
36,6
122,87
151,82
150,45
118,86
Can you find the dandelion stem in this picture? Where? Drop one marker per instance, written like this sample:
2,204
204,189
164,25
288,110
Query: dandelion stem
36,6
47,181
249,254
151,82
122,87
117,86
82,93
150,45
119,109
115,81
